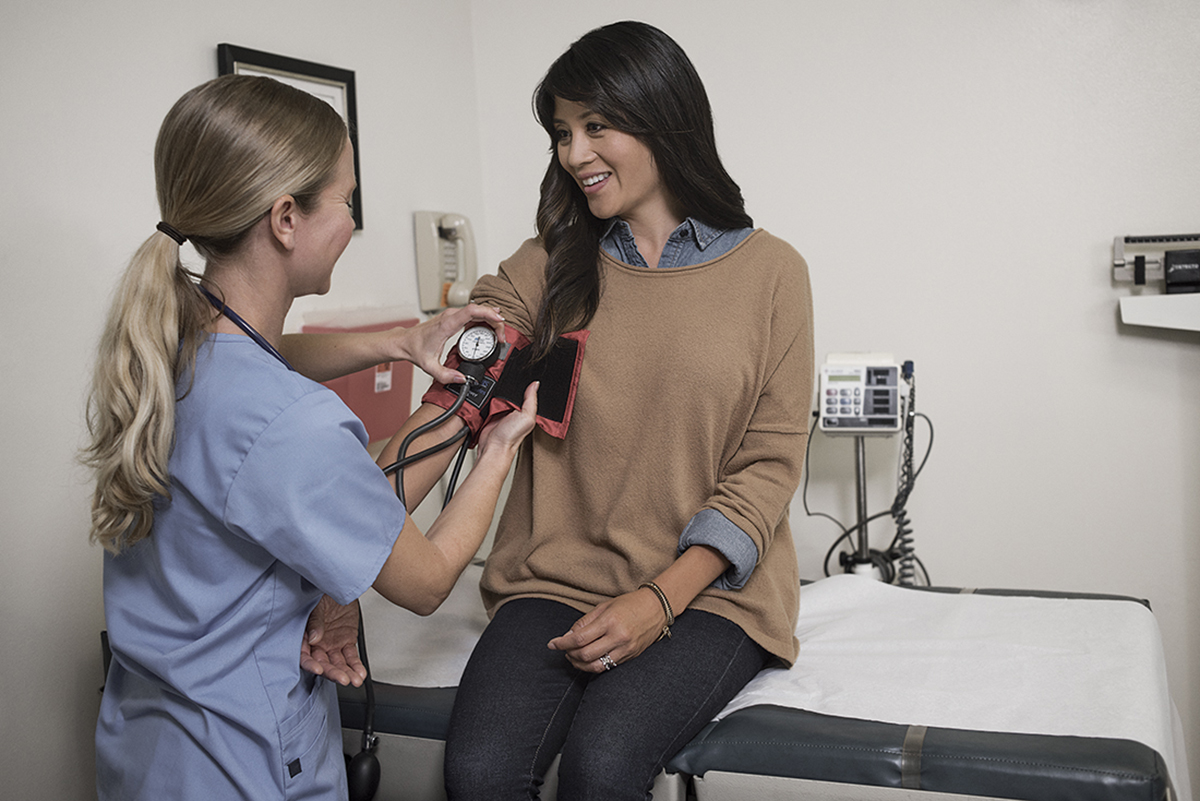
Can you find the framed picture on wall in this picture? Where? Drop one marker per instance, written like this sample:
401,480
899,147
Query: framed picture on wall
332,84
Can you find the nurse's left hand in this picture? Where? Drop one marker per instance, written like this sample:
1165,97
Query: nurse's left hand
330,646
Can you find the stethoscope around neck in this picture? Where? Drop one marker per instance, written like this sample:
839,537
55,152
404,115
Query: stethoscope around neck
236,319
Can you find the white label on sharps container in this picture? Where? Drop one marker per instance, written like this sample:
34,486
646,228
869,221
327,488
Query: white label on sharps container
383,377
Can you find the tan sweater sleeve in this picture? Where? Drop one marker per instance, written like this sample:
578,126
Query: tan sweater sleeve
757,484
519,308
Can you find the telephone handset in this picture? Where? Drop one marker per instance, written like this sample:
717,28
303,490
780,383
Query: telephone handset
445,248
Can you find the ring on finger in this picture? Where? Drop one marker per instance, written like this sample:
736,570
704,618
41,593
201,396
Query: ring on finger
608,662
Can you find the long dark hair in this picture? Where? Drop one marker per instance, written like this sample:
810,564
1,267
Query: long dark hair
642,83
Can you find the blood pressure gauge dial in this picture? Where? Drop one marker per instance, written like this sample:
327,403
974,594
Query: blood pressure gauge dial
478,344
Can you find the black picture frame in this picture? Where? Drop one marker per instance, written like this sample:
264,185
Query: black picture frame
332,84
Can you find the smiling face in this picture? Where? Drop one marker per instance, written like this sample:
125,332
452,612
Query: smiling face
326,229
615,170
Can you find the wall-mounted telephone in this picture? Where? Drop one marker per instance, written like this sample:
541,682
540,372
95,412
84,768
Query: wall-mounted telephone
445,249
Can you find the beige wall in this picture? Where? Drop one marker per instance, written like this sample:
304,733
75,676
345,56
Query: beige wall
954,172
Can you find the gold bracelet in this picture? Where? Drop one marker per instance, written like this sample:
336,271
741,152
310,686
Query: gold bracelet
666,605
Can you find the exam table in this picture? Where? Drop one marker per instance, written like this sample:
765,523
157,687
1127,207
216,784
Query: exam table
898,693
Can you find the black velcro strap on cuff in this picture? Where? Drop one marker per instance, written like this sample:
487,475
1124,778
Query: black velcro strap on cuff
555,372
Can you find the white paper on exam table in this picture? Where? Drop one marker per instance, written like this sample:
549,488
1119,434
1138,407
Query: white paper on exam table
1013,664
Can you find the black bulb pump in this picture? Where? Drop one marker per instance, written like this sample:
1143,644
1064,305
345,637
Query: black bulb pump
363,771
362,775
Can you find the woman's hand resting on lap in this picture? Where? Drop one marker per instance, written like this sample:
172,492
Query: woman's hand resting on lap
621,628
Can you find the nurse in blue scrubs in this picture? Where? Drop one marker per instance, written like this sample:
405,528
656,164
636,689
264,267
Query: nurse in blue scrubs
233,492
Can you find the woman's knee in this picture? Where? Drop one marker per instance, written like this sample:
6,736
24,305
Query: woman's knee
473,772
605,770
465,776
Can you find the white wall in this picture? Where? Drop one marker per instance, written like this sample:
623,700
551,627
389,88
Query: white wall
85,86
955,173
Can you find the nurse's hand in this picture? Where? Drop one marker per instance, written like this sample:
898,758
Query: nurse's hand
423,344
621,629
507,429
330,646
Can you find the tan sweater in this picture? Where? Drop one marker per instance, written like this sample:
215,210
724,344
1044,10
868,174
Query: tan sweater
695,393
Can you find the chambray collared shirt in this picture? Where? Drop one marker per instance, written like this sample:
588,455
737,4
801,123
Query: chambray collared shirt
693,242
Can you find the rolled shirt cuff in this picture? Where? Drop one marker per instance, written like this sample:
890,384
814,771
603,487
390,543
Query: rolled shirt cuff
710,527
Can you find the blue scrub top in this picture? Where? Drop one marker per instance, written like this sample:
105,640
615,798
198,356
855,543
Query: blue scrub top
274,501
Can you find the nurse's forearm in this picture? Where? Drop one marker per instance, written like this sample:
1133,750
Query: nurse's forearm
421,476
423,569
323,357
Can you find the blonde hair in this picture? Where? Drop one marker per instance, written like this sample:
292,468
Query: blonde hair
226,151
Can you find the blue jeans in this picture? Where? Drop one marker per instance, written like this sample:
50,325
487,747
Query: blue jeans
519,704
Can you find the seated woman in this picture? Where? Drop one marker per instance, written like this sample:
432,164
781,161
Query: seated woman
643,570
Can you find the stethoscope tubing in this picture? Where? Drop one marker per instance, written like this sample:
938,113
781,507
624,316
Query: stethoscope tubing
237,320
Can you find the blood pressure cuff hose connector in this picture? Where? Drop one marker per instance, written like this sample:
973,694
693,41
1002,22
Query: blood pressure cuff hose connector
503,385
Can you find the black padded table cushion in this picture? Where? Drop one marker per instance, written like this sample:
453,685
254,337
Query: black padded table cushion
794,743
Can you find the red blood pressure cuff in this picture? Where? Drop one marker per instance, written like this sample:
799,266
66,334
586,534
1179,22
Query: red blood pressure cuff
558,374
475,410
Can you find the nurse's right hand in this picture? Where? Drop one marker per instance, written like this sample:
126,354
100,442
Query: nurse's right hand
330,646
